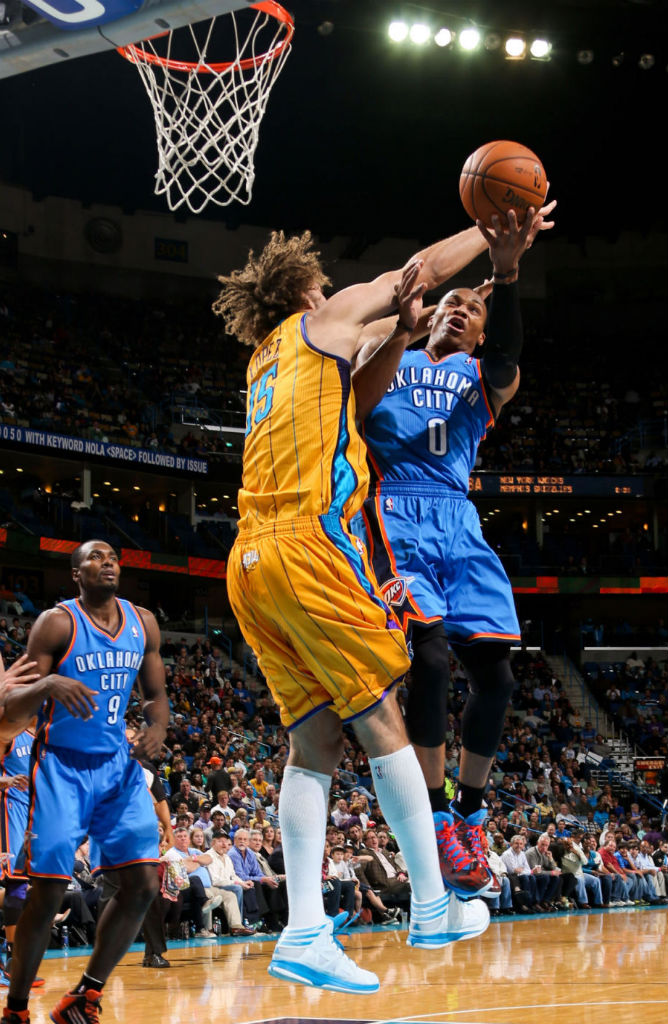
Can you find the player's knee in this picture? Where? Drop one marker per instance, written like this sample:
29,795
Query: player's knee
488,668
141,883
317,743
427,701
491,685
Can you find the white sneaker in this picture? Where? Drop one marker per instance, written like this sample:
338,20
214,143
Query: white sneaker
313,957
204,933
456,919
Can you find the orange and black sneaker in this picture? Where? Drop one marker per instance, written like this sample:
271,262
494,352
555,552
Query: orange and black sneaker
460,870
5,977
472,838
15,1016
78,1008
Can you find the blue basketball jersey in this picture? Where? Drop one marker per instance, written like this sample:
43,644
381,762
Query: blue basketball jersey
105,663
427,427
17,762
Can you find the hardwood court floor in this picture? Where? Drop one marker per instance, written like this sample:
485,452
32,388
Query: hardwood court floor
585,968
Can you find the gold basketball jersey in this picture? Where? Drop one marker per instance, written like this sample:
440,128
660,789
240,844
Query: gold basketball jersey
303,455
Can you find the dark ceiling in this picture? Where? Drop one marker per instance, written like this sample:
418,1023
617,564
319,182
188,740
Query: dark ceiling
365,138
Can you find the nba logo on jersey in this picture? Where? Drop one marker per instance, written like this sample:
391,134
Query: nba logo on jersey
135,632
389,505
249,560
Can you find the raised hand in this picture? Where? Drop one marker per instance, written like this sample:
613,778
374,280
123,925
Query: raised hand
409,295
508,245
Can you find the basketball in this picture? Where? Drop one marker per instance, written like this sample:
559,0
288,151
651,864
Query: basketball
502,176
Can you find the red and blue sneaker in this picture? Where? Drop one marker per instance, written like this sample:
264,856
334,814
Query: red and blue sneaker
470,832
460,869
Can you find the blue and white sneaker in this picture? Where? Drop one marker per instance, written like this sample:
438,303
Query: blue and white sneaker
448,919
312,956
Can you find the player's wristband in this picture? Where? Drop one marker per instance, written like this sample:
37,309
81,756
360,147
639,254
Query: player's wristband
400,325
508,278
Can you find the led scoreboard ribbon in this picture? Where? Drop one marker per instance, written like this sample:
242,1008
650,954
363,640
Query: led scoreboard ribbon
496,484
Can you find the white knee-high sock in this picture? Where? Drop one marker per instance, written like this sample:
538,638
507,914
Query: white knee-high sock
302,815
404,801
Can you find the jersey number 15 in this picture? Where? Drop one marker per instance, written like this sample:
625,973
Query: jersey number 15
260,399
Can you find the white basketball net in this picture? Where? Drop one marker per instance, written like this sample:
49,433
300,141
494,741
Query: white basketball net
207,115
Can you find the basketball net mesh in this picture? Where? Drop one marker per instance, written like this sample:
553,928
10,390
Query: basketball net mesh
207,116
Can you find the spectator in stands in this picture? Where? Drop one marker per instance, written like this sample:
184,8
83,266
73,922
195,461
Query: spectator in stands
587,885
184,795
341,814
546,872
520,876
503,902
204,821
224,807
644,892
345,872
380,872
194,895
227,883
277,898
218,778
608,854
268,840
247,868
643,861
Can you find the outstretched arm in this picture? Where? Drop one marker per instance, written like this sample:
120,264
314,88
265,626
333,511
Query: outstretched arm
336,326
378,361
505,336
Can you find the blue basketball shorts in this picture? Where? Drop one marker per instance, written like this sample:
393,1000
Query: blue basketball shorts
432,562
102,796
13,824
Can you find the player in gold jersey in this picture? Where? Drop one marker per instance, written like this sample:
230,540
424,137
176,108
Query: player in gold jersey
302,589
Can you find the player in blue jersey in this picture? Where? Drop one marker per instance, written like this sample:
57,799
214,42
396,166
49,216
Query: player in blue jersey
424,414
85,779
14,781
15,746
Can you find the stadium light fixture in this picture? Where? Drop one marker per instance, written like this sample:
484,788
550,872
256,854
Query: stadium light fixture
646,62
540,49
443,37
397,31
469,38
585,56
515,48
492,41
419,33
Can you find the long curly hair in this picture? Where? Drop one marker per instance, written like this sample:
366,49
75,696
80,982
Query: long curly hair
270,287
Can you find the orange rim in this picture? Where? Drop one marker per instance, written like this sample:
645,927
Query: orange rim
136,54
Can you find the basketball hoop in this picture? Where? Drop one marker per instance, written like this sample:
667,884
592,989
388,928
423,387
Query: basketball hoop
207,115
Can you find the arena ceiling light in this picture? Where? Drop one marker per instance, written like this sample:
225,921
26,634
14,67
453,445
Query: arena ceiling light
492,41
515,48
420,33
397,31
540,49
469,38
585,56
444,37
